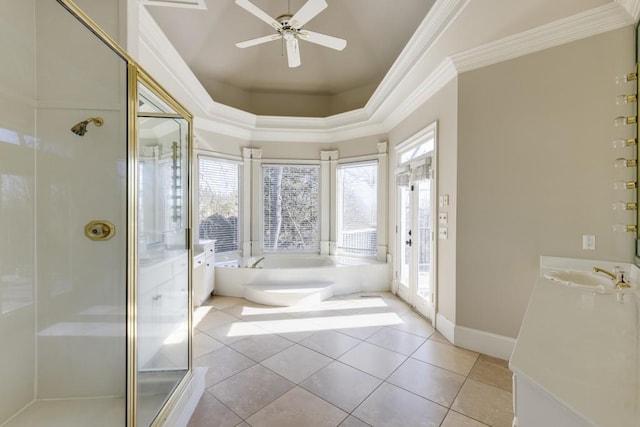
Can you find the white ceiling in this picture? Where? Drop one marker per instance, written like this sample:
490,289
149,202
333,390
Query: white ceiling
258,80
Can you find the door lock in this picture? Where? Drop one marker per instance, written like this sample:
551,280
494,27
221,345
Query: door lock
99,230
408,242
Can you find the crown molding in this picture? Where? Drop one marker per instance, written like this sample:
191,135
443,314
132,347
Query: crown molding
586,24
441,15
157,54
632,7
404,89
443,74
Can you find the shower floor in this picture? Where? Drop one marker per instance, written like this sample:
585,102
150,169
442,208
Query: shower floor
99,412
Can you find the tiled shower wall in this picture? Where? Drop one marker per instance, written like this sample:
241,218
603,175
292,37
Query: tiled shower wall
17,206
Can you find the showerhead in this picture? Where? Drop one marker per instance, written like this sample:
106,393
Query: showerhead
81,128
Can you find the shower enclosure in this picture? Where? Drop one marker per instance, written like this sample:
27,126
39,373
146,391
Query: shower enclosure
95,251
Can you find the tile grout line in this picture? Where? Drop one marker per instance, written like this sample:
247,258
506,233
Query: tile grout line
336,359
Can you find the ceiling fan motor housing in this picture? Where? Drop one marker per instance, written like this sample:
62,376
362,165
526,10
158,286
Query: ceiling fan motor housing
284,19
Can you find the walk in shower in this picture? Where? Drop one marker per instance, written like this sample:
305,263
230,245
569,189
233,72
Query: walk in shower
95,248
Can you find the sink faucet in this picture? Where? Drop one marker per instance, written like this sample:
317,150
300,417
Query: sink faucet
617,277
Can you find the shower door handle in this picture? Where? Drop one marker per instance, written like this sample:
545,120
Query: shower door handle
408,242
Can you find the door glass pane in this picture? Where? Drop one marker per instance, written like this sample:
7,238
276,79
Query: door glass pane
424,240
163,261
405,224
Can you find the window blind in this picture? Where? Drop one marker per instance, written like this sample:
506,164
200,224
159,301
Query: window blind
357,208
291,213
218,184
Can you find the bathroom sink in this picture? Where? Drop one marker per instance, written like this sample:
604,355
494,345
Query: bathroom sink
585,279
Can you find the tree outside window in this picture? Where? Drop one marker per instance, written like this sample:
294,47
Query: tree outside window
291,214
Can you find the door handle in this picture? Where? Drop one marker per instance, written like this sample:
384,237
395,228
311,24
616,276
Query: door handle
408,242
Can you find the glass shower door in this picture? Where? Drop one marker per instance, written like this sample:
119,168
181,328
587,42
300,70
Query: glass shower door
162,299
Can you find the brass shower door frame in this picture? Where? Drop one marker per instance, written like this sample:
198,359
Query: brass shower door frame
136,74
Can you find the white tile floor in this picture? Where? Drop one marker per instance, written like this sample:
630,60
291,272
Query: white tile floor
355,360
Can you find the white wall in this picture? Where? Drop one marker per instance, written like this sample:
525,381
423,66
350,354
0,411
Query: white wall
17,205
535,172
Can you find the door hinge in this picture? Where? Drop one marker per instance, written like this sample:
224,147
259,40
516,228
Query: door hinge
411,187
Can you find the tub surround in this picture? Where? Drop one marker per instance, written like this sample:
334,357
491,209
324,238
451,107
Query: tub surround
575,362
300,279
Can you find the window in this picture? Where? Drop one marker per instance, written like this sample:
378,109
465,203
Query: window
291,214
357,208
419,149
218,202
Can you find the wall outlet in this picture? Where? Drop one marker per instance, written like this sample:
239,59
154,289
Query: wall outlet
588,242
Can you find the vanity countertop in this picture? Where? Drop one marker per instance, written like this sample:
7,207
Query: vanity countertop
581,347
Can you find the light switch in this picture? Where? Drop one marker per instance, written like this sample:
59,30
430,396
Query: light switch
443,217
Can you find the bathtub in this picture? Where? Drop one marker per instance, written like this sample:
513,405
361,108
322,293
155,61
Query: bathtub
287,280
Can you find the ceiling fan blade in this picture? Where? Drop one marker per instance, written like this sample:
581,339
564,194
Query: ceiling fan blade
259,13
293,53
259,40
323,39
307,12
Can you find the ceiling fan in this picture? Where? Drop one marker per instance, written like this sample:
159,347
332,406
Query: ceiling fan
289,28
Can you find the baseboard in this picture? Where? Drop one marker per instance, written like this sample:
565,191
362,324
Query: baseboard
484,342
445,326
473,339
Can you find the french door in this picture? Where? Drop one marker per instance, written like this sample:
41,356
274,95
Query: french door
416,284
